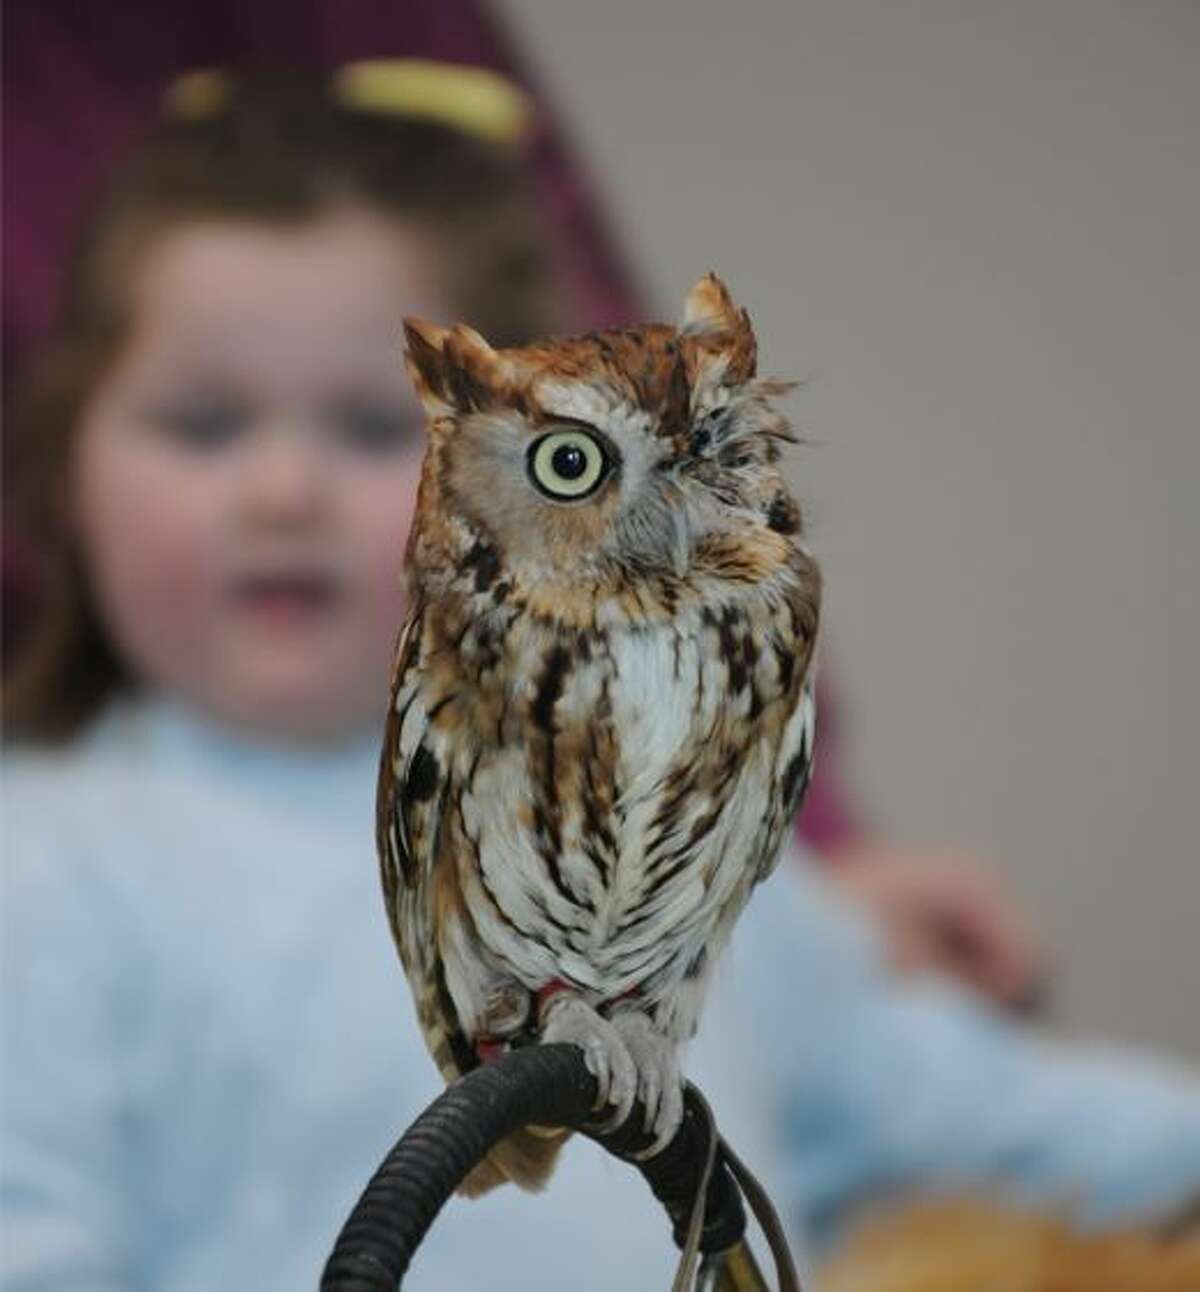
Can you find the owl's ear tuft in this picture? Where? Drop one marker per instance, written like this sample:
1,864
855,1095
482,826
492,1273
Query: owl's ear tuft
709,307
466,347
475,373
454,369
425,360
718,338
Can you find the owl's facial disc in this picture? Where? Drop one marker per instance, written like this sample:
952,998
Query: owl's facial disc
570,463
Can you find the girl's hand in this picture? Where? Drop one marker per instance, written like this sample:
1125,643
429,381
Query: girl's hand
942,909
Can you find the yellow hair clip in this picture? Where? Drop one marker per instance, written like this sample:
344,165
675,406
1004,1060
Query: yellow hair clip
472,99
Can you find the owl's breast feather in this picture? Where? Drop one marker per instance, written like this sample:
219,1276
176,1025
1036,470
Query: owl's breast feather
637,798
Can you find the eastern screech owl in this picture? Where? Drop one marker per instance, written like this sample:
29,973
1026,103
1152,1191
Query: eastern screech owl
601,720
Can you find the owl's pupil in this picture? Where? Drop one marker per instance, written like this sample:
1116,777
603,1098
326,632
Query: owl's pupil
569,461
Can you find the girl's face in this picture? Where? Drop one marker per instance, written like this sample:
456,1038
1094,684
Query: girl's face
245,473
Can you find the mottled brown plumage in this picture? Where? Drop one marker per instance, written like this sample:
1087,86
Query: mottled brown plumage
601,720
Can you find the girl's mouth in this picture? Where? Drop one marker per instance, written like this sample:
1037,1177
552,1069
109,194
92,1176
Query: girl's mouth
286,600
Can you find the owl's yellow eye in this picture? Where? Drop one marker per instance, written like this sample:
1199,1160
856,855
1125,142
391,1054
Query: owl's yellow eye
568,464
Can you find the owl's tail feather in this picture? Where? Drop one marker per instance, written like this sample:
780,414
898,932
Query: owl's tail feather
526,1157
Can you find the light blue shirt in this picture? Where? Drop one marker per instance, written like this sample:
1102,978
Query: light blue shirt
208,1046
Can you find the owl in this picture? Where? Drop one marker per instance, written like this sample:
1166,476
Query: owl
601,719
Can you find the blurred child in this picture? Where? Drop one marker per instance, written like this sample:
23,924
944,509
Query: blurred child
208,1041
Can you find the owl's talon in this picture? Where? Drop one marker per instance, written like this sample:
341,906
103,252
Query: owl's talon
570,1020
659,1083
670,1118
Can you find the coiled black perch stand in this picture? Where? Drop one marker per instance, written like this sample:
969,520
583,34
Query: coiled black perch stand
549,1085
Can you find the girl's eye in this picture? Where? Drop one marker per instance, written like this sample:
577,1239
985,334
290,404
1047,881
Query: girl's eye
201,426
375,428
568,465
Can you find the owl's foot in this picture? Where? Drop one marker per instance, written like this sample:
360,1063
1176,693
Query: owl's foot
569,1020
659,1083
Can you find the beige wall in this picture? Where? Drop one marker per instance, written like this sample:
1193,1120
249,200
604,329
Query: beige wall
974,227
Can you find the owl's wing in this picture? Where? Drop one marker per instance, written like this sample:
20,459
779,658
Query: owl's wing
413,775
414,789
793,771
